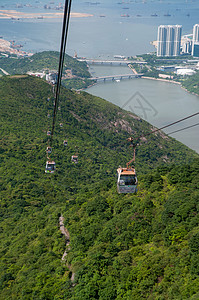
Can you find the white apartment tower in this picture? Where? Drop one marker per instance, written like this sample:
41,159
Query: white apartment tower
169,40
195,36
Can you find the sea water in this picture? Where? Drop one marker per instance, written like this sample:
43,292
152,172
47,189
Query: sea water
159,103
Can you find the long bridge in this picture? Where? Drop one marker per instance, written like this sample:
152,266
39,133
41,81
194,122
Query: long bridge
92,61
116,77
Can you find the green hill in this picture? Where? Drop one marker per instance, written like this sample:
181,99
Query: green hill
142,246
75,73
191,83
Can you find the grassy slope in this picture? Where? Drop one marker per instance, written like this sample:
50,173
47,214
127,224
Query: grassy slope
105,227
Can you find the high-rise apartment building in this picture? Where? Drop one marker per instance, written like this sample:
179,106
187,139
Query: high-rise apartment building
195,37
169,40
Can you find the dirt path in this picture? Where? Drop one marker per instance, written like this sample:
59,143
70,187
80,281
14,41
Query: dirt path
66,233
4,72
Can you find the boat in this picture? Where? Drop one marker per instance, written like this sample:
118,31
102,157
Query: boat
167,15
119,56
154,15
125,16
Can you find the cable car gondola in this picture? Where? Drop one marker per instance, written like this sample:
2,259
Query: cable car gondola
48,132
50,167
65,143
126,180
126,177
48,150
74,159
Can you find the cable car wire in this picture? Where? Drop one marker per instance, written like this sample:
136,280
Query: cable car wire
184,128
132,140
171,124
65,27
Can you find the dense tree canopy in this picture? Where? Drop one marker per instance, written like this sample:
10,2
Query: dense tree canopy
142,246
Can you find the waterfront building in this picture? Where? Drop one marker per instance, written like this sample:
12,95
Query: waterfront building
169,40
195,49
52,77
187,46
186,43
161,43
195,37
185,72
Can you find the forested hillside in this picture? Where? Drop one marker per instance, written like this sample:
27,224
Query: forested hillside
191,83
142,246
48,61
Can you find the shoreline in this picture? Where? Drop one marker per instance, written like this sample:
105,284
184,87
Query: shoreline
163,80
171,81
16,15
153,78
5,47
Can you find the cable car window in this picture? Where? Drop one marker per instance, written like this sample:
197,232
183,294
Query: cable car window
127,180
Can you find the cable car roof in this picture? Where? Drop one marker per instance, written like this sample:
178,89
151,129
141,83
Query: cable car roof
125,171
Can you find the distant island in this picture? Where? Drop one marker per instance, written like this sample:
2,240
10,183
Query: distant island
13,14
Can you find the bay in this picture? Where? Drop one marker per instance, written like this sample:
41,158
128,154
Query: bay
159,103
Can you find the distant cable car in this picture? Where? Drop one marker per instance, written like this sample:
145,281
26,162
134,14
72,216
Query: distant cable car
48,132
50,167
65,143
74,159
59,108
61,125
126,180
49,150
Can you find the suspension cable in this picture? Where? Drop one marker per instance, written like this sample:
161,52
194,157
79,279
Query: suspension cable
65,27
171,124
133,140
184,128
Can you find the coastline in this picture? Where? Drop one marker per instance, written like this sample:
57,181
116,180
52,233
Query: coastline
153,78
13,14
5,47
171,81
164,80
